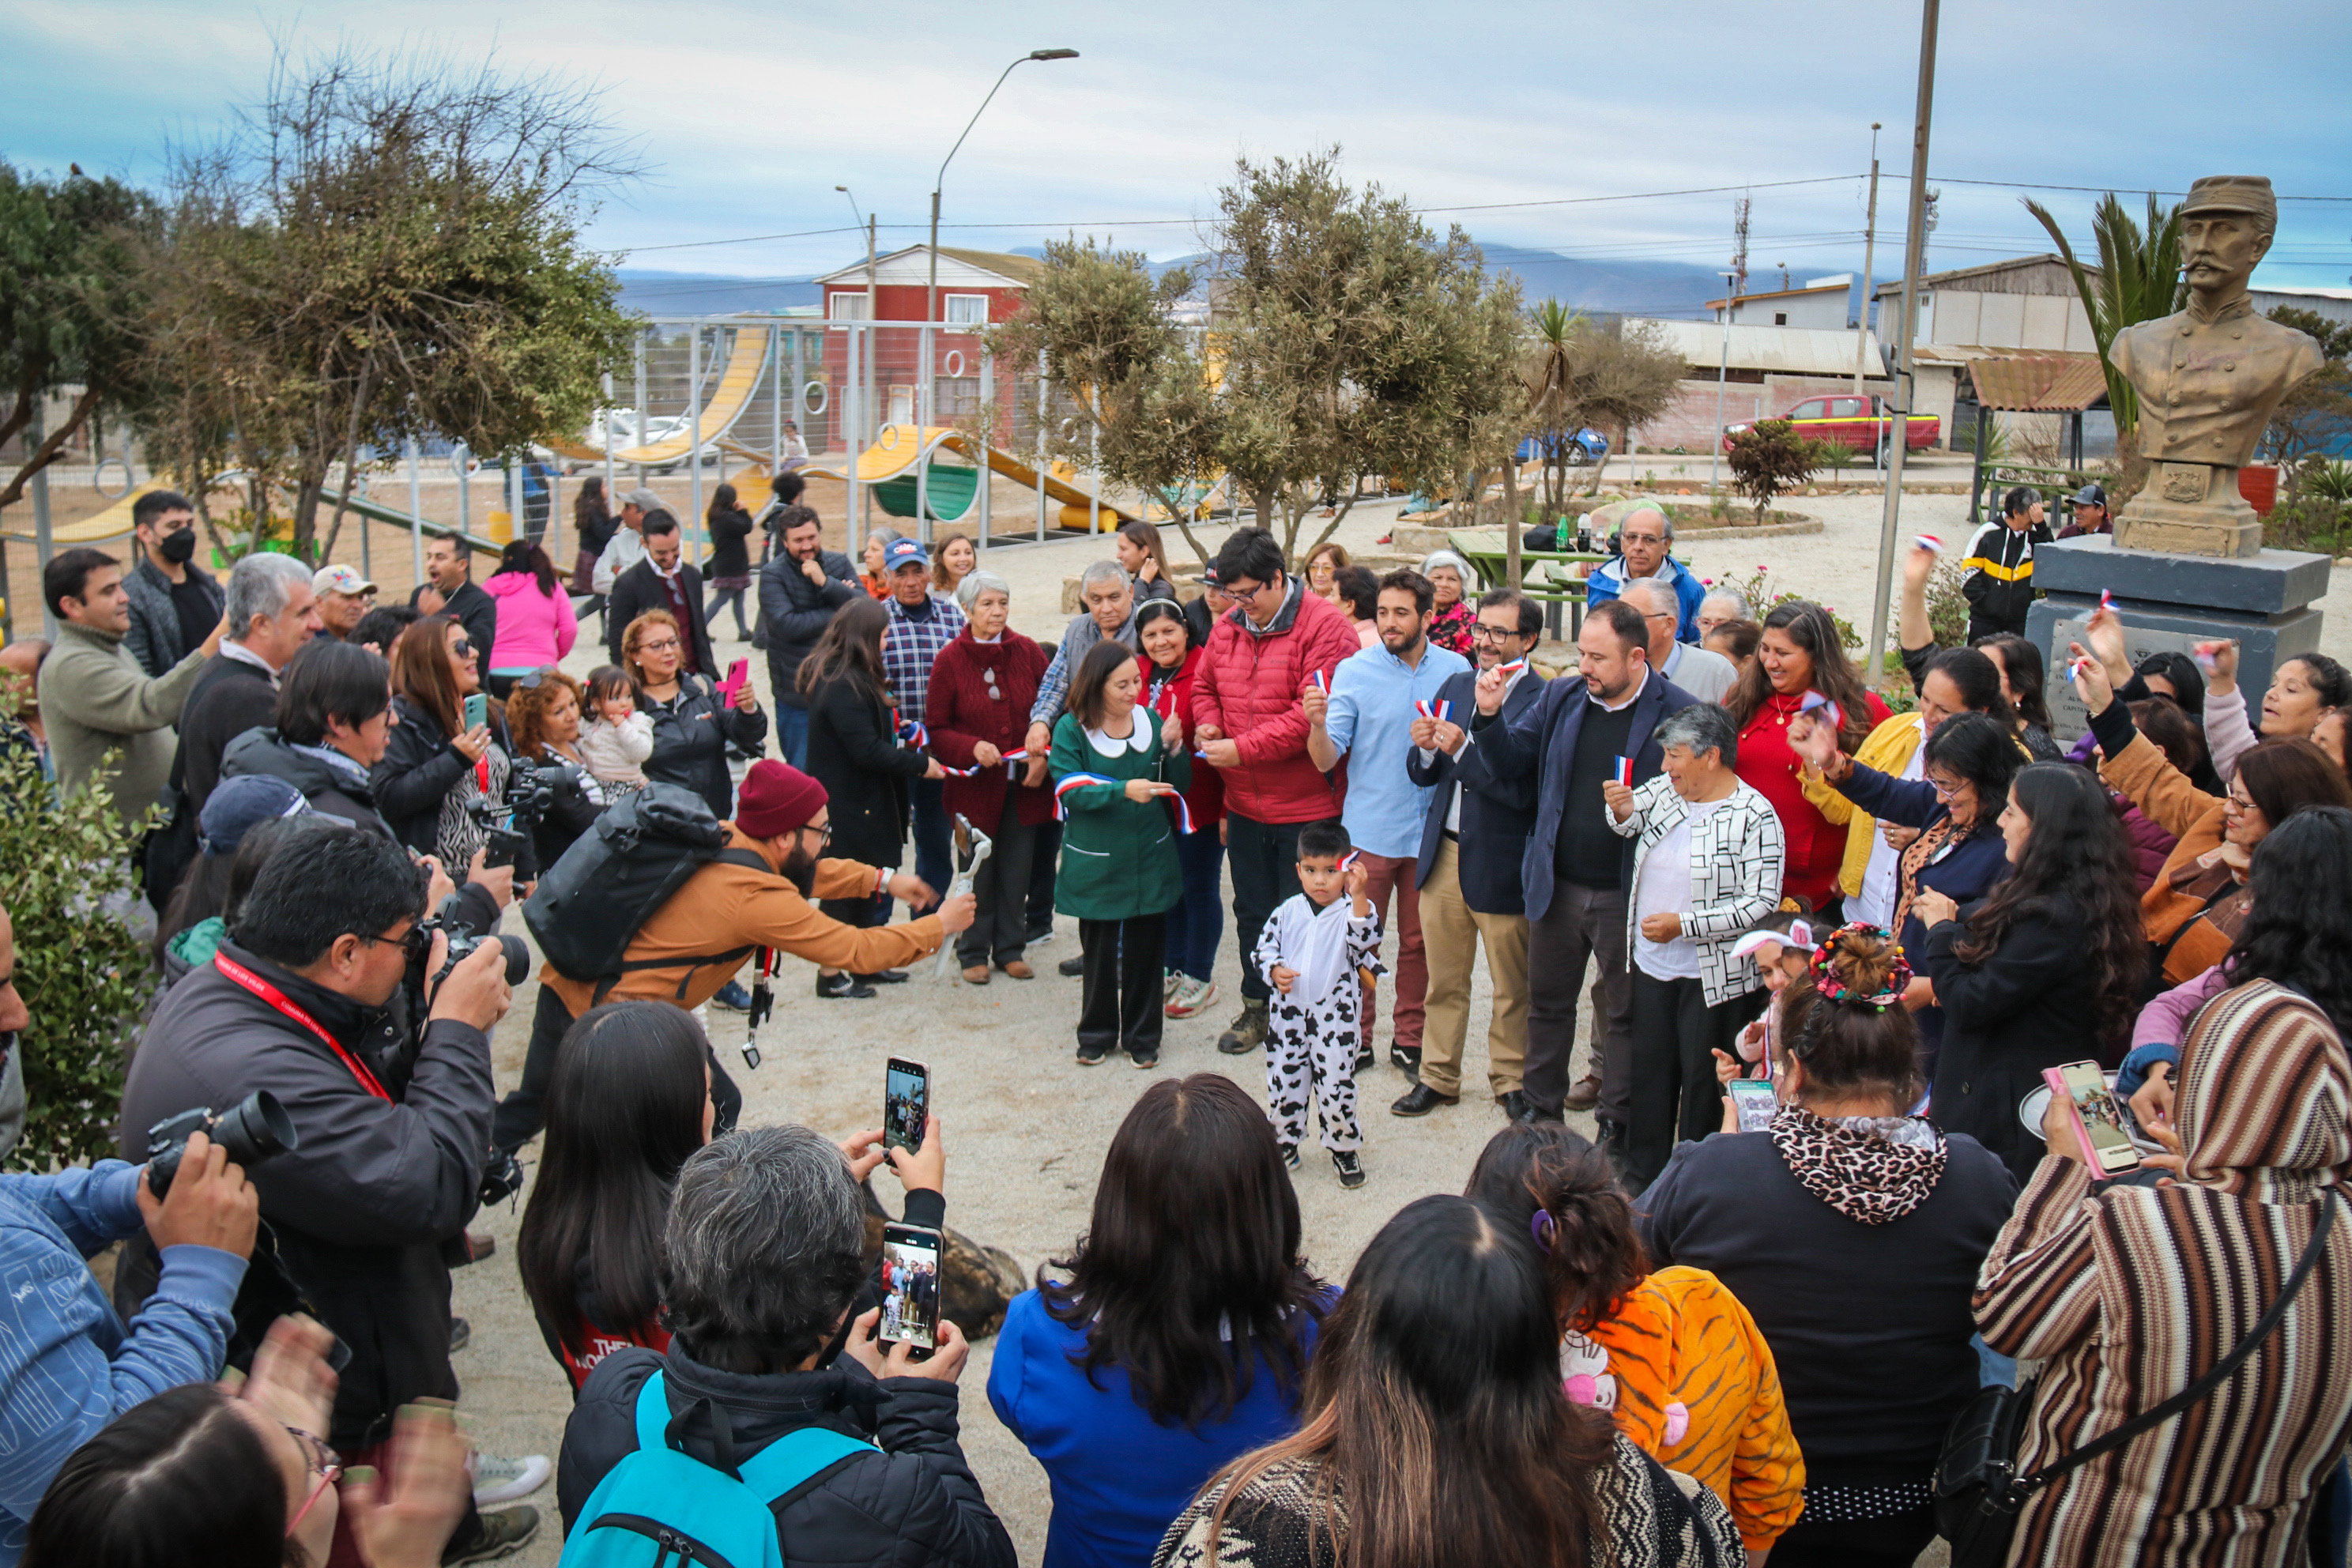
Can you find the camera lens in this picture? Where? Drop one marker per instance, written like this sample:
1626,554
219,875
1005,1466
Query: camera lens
518,959
254,1129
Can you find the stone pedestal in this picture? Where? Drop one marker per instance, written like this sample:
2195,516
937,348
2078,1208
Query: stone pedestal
2171,600
2190,508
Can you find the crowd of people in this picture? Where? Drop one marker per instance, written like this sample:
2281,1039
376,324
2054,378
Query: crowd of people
1693,1338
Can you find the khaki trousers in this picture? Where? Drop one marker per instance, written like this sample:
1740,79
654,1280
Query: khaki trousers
1451,932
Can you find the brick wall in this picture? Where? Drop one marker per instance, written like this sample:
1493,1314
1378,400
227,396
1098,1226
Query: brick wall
1690,420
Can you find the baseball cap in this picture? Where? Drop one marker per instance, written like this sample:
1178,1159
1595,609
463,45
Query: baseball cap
644,500
904,552
2089,495
239,805
339,580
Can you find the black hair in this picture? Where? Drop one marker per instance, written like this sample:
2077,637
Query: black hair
722,501
1190,1269
1851,1047
1592,1254
180,1469
2077,869
2333,681
1102,661
219,884
1405,579
381,628
793,516
2180,672
66,576
1152,610
2021,662
525,555
2285,776
1978,679
2169,730
155,503
625,1109
1329,837
657,520
2018,500
1251,554
1357,589
1744,639
1530,613
319,887
328,679
1983,751
2298,927
787,487
1630,626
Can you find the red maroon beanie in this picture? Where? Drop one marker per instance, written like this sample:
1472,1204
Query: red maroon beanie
776,798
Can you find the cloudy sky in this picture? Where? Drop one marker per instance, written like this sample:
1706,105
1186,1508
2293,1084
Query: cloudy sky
1550,125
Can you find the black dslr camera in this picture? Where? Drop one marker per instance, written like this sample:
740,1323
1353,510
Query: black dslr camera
251,1130
450,920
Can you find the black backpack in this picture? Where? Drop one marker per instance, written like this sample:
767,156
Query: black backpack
589,904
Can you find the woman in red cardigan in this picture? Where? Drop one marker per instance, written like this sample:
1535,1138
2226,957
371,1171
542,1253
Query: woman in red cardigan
1801,655
1171,657
977,709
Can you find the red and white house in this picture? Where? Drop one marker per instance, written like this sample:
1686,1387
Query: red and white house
976,287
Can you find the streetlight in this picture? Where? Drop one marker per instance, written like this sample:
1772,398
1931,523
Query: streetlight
931,292
868,226
1722,374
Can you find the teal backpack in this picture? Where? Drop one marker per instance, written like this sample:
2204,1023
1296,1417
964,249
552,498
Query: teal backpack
661,1509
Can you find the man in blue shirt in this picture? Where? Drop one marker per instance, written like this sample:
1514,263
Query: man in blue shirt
921,623
1367,717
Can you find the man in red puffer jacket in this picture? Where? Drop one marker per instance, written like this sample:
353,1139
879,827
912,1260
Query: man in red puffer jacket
1250,726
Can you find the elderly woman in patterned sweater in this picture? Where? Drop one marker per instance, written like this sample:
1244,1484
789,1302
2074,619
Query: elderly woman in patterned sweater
1706,866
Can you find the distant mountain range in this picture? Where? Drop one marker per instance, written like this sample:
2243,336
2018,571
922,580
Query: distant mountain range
1628,288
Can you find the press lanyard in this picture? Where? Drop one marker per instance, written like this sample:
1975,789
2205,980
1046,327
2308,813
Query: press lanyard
276,998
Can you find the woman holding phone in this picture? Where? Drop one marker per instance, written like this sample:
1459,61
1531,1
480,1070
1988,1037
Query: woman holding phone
444,750
1115,765
693,724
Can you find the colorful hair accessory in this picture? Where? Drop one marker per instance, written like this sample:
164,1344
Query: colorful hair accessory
1797,938
1540,1226
1826,981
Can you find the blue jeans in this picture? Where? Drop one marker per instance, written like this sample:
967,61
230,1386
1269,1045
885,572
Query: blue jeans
933,863
1198,920
791,733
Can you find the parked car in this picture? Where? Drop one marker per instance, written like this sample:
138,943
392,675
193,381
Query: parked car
1587,445
1861,423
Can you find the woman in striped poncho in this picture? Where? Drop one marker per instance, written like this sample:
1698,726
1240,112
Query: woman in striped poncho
2132,1292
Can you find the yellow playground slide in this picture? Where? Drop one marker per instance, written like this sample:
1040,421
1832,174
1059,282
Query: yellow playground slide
895,453
738,383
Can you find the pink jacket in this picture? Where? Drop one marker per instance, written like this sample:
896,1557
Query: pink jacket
534,628
1248,685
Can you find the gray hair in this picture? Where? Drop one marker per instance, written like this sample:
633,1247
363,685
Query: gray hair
643,500
260,584
1660,596
1665,519
1437,558
979,581
764,1249
1105,571
1732,596
887,535
1701,727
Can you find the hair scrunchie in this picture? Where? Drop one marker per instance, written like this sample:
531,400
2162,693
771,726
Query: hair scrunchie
1825,979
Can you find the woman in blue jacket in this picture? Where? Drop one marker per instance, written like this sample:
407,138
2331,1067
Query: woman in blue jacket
1955,810
1180,1340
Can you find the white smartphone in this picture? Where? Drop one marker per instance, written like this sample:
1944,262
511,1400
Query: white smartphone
1756,1103
2098,1121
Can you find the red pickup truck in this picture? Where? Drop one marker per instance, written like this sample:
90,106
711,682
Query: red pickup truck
1861,423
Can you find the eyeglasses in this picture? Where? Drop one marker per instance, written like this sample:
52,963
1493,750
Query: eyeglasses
1481,632
1947,790
1643,538
321,1461
413,943
823,834
669,644
2234,801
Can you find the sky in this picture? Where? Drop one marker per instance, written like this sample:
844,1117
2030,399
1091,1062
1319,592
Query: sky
1553,125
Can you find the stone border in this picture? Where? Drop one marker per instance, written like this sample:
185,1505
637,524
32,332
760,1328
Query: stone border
1767,530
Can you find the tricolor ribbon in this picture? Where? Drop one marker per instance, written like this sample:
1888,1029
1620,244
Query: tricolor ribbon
1321,682
1349,859
1814,699
912,732
1184,813
1013,761
1510,669
1625,772
960,773
1429,710
1929,542
1069,782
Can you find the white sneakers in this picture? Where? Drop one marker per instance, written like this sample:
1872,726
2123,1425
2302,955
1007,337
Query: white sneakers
498,1479
1190,996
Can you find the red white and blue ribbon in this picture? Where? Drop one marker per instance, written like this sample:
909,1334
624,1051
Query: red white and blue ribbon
912,733
1625,772
1510,669
1349,859
1929,542
2107,600
1013,761
1320,681
1183,812
1432,710
1069,782
972,772
1814,699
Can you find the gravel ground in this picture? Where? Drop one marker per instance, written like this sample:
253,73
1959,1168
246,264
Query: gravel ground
1025,1126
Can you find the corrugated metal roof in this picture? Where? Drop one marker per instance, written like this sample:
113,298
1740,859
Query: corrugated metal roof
2039,383
1789,350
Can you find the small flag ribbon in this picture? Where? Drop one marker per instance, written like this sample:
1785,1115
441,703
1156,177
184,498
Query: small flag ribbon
1069,782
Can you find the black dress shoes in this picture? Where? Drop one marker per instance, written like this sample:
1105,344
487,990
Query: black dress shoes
1420,1100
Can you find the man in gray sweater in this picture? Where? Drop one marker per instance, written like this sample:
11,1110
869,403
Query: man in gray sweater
94,696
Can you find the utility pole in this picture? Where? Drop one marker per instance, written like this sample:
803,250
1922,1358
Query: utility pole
1723,371
1905,380
1869,258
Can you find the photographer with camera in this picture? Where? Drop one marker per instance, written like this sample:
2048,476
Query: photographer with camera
391,1129
67,1364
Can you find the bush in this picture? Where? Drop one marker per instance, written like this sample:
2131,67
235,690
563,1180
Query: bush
1763,598
1769,458
84,975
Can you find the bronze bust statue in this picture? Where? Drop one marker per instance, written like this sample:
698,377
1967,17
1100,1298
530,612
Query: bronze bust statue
2208,379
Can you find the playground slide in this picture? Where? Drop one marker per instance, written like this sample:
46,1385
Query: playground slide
895,454
736,385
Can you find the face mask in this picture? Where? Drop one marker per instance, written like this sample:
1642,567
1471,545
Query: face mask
179,548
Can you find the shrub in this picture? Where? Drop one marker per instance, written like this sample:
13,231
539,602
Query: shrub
1769,458
83,973
1763,597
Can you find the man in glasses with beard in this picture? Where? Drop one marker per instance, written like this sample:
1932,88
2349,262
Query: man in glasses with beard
761,892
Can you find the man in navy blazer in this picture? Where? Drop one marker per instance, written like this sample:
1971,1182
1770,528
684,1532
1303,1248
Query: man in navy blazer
1576,872
1472,838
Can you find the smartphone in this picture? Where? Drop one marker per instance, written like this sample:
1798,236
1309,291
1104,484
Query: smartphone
2098,1120
911,1286
906,1102
478,711
736,674
1753,1099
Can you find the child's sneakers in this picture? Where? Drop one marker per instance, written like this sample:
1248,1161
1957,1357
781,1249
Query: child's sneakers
1350,1168
1290,1155
1190,998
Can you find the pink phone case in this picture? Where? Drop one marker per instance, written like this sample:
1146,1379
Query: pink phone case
736,676
2056,1079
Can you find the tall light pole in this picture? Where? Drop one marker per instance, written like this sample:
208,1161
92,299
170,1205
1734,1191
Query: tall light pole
1722,374
868,226
931,289
1907,382
1869,259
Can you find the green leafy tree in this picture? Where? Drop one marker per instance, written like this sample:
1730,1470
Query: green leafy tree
1581,373
2138,280
383,250
2316,411
1768,459
83,974
71,300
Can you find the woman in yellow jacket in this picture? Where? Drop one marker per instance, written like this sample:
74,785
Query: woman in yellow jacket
1672,1355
